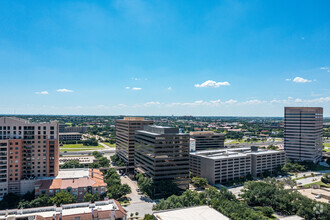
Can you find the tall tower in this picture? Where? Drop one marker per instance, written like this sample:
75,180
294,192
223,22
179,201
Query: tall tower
303,133
27,151
125,137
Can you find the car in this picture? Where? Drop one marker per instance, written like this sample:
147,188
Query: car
318,196
299,183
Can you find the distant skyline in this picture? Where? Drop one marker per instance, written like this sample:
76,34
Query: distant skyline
204,58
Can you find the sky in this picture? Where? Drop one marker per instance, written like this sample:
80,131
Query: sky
135,57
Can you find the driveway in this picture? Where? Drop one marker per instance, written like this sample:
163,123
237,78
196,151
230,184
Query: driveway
139,202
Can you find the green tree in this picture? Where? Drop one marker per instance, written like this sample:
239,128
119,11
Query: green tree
72,164
148,217
199,182
88,197
267,211
104,162
63,197
97,154
117,191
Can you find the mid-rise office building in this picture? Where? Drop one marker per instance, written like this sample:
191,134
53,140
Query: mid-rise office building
63,128
303,133
27,150
125,137
162,153
206,140
219,166
70,136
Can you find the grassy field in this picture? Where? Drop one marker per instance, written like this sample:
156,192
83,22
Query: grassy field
318,183
108,144
78,147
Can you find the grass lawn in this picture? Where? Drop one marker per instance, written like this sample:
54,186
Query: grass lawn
108,144
79,147
318,183
326,144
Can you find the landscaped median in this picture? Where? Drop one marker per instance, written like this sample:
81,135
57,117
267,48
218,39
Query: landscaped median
79,147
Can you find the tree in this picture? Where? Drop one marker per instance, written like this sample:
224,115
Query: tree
117,191
72,164
199,182
148,217
289,182
326,178
97,154
267,211
88,197
104,162
9,201
94,165
63,197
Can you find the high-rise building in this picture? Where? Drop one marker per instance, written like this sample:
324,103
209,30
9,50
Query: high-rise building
303,133
125,137
162,153
206,140
27,150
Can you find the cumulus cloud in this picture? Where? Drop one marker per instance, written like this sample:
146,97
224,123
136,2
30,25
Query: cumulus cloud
231,101
136,88
212,84
324,68
253,101
301,80
42,93
64,90
287,79
151,103
127,87
169,88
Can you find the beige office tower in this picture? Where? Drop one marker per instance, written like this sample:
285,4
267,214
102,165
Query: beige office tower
207,140
303,133
27,151
125,137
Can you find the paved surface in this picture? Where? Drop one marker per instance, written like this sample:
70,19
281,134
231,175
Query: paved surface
139,202
236,190
308,193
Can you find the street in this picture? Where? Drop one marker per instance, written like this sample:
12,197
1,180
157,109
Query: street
139,202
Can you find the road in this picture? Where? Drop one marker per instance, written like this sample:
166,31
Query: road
139,202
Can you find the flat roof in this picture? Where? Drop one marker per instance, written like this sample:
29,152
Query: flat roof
191,213
70,133
72,173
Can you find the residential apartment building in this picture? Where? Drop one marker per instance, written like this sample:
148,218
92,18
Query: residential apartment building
219,166
125,137
206,140
303,133
78,182
27,150
100,210
70,136
162,153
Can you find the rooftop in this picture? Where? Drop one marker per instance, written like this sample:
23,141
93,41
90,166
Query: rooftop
103,208
191,213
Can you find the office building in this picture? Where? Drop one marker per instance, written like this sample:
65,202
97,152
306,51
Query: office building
84,160
303,133
125,137
101,210
162,153
27,150
64,128
190,213
206,140
70,136
220,166
78,182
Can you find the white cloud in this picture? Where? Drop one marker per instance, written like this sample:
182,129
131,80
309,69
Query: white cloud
42,93
136,88
212,84
231,101
64,90
151,103
324,68
301,80
253,101
169,88
288,79
127,87
136,79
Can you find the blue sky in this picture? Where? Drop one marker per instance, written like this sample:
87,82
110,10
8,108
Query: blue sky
218,58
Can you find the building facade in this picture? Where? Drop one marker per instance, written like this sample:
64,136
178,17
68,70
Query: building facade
220,166
162,153
27,150
90,182
125,137
303,133
70,136
206,140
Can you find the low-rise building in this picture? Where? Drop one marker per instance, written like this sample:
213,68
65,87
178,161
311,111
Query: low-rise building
224,165
78,182
84,160
191,213
70,136
109,209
